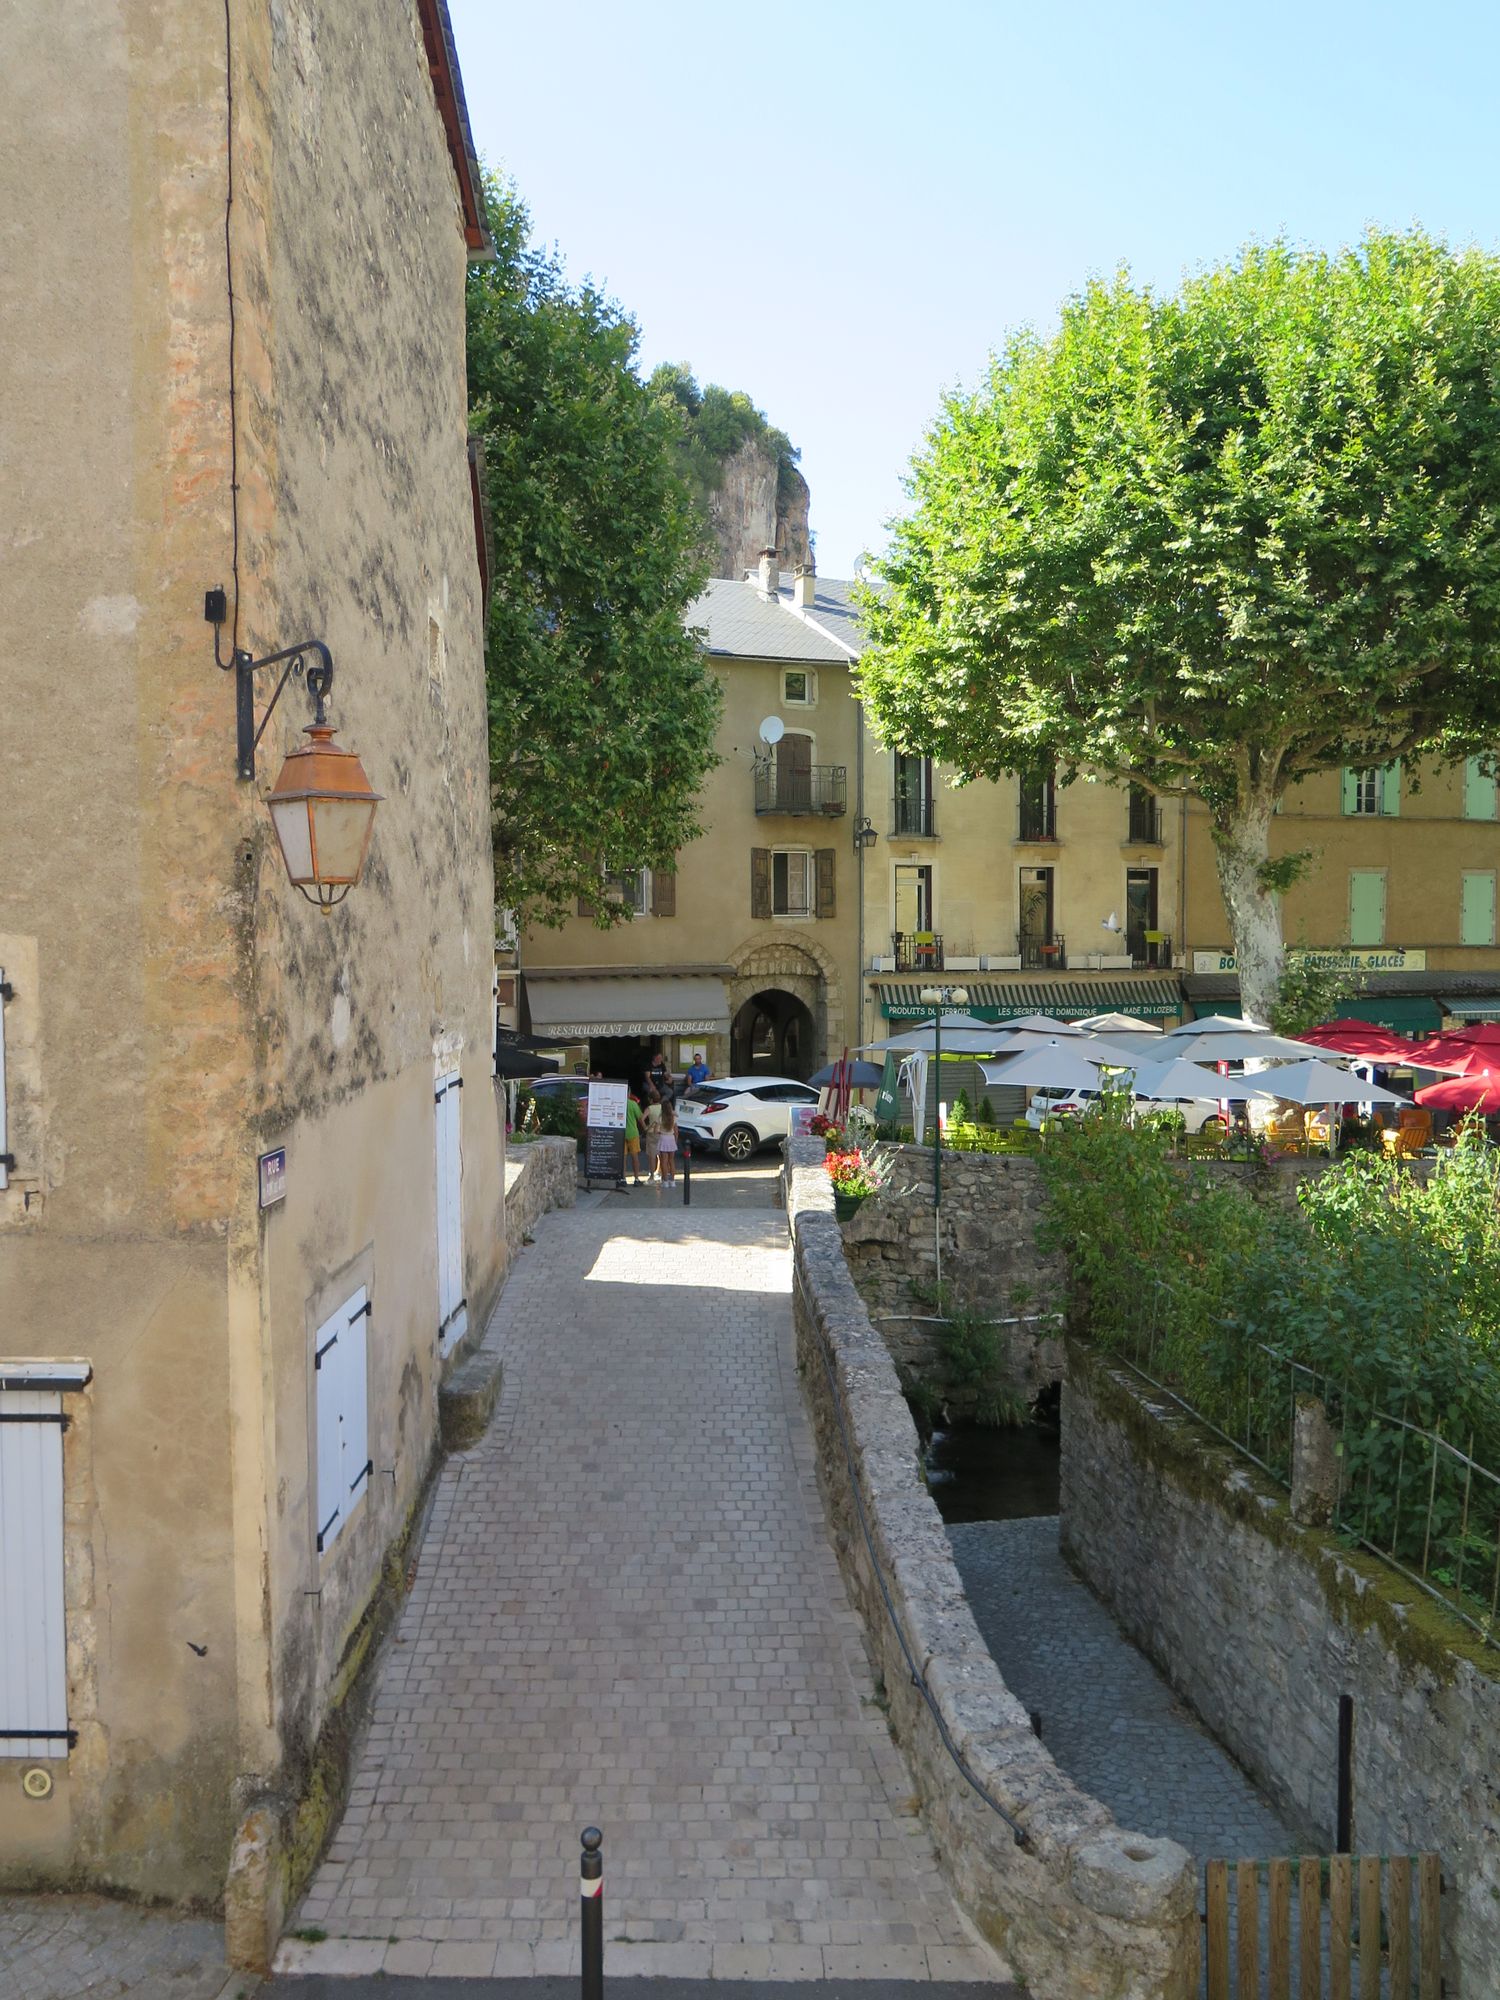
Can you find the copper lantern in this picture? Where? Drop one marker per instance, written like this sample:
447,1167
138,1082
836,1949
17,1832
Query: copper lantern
323,809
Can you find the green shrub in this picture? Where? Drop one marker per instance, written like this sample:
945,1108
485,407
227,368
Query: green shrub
959,1115
986,1112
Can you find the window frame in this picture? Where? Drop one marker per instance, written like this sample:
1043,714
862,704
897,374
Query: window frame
809,883
636,900
809,679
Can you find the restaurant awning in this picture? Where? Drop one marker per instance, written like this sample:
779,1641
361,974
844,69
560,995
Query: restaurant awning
580,1008
1062,999
1474,1006
1401,1011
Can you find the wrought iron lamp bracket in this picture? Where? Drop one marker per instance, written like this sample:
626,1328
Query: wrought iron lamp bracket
308,660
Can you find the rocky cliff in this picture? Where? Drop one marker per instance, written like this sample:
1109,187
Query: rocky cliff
757,506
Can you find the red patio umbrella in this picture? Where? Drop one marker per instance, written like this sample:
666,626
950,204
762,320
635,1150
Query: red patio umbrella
1365,1039
1476,1090
1462,1049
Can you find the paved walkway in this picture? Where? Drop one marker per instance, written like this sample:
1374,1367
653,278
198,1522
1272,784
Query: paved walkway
65,1947
627,1611
1108,1717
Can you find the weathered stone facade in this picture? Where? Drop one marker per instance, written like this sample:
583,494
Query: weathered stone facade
540,1175
177,1008
1083,1908
1261,1624
990,1262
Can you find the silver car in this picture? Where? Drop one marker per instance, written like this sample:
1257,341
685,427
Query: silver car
737,1115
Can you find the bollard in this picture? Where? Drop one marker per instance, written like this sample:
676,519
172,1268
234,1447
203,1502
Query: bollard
687,1171
1344,1835
591,1912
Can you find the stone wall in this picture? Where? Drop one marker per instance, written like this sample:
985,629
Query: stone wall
540,1174
1262,1624
990,1209
1083,1910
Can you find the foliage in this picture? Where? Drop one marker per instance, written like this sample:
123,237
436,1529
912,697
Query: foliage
961,1114
979,1138
851,1173
602,711
821,1126
1217,541
556,1113
861,1124
713,424
986,1112
1312,993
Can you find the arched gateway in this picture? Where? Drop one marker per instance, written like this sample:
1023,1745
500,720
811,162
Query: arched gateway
786,1003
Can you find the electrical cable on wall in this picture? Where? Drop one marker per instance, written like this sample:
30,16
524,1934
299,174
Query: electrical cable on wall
234,454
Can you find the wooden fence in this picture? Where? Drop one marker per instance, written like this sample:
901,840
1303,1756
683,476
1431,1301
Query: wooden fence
1351,1914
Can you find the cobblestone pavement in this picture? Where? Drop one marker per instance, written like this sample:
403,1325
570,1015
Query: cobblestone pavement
1108,1717
627,1611
65,1947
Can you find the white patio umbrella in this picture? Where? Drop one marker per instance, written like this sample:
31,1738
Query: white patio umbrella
1043,1024
1014,1041
1221,1024
1234,1045
1315,1083
1050,1066
962,1036
1122,1027
1175,1081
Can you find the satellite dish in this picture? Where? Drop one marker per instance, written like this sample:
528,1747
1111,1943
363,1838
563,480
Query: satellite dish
772,729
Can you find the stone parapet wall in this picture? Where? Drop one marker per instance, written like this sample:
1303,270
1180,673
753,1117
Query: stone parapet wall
1261,1624
1083,1910
990,1209
540,1174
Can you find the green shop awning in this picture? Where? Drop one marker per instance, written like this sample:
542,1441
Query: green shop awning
1406,1013
1473,1006
1063,999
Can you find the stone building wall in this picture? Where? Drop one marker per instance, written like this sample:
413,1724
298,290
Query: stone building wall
991,1265
1262,1624
1083,1909
540,1175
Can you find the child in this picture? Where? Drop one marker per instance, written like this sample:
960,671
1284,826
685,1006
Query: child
651,1131
633,1138
666,1145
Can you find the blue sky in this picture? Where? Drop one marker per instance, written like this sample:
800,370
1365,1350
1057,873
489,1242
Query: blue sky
843,208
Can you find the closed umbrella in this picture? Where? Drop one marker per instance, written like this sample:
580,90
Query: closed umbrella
1475,1090
1314,1083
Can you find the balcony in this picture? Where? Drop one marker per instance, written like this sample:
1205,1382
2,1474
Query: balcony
1145,823
914,817
1038,816
918,951
1150,951
1040,953
821,789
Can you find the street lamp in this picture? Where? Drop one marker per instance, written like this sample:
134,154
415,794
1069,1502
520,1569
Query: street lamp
940,997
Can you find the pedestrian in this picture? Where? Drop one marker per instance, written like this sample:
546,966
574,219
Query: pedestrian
661,1078
666,1145
633,1137
697,1069
651,1133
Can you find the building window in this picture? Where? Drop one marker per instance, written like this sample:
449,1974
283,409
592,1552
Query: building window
34,1653
799,687
1366,906
1477,908
791,882
1372,791
341,1393
1038,807
1479,788
630,886
1142,938
913,813
1037,938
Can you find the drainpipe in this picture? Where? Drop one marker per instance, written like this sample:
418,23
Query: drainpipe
1182,868
859,813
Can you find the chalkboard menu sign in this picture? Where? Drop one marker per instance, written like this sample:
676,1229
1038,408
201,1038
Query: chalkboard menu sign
604,1153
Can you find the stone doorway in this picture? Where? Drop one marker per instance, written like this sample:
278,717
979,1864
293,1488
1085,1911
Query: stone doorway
773,1034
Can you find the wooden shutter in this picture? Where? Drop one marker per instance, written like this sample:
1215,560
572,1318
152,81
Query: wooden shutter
826,859
33,1639
1366,906
760,881
1479,797
1390,788
327,1362
663,892
4,1140
354,1399
585,907
453,1317
1477,913
1350,790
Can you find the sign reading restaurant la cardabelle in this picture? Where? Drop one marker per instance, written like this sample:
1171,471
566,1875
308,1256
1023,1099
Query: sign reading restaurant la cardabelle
1347,958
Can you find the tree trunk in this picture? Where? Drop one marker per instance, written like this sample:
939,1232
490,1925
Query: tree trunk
1242,846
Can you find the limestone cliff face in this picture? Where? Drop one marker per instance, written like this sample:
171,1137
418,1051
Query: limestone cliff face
746,518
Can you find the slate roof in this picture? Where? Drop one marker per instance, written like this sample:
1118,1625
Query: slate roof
742,624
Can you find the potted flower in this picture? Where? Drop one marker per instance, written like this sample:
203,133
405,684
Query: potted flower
852,1181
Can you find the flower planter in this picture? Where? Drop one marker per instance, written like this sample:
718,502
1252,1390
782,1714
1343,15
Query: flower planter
844,1205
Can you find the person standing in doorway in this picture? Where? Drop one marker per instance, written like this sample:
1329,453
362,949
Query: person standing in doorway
666,1145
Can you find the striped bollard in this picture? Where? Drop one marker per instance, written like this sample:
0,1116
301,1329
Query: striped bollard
591,1911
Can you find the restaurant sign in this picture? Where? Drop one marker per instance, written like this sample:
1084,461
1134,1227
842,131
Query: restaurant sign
1347,958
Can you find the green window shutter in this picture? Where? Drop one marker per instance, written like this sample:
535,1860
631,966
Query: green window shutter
760,881
827,859
1479,790
1477,909
1351,790
1390,788
663,892
1366,906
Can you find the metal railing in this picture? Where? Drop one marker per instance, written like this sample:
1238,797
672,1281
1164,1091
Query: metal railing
1149,949
918,951
815,788
914,815
1042,952
1038,816
1144,829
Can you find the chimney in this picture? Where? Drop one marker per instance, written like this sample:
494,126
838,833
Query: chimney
805,588
770,574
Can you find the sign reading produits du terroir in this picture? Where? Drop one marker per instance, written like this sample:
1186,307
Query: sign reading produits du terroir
1348,958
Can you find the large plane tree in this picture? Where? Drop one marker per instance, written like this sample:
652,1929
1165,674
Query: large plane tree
1218,541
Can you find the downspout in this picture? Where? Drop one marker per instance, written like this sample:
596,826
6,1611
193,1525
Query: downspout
859,849
1182,868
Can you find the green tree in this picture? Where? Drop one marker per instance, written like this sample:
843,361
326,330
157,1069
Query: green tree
715,423
1218,542
602,709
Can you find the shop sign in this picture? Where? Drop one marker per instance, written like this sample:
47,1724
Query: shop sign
582,1031
1347,958
273,1177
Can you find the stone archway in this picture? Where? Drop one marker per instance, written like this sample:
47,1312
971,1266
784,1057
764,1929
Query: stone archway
792,963
773,1033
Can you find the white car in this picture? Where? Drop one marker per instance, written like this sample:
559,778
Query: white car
1078,1103
737,1115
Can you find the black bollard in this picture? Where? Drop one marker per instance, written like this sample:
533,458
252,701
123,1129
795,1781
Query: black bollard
591,1911
1344,1836
687,1171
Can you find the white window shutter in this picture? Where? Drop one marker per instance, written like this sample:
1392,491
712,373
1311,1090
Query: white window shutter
354,1378
33,1636
328,1362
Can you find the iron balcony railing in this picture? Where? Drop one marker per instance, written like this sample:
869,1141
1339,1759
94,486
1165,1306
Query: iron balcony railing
918,951
1145,823
1149,950
914,815
816,788
1042,953
1039,816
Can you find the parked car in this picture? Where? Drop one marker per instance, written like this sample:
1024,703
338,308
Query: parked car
576,1087
737,1115
1049,1103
